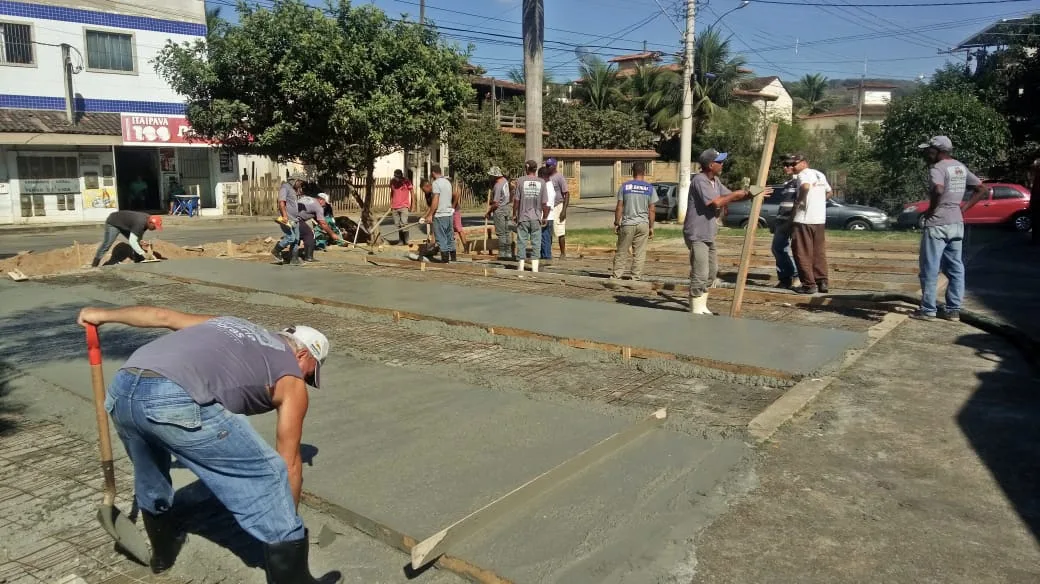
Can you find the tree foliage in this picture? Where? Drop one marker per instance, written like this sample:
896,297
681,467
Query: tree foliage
810,94
336,87
717,72
600,86
476,146
979,134
582,126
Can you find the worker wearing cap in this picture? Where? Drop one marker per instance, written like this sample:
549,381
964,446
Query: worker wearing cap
531,209
707,198
131,225
500,211
942,237
809,232
313,209
185,394
781,245
286,251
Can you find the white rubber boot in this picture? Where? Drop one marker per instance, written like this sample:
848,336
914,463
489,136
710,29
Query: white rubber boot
520,267
534,265
699,304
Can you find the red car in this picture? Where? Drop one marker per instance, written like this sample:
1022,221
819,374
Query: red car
1006,203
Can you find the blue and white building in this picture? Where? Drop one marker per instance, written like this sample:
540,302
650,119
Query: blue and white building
85,121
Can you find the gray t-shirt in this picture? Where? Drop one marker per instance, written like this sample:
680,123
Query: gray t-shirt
955,179
559,183
288,194
128,222
501,194
636,197
533,197
310,208
700,224
442,187
226,360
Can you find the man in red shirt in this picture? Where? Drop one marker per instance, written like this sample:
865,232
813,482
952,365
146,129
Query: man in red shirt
400,204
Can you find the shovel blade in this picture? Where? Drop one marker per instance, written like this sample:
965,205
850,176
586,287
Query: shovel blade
124,532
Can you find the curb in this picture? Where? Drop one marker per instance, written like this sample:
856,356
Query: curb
58,227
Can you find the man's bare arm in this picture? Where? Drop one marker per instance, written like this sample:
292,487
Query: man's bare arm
980,193
328,230
291,399
141,316
281,209
933,199
434,203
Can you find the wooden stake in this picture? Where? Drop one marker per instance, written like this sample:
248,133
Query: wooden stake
230,249
79,259
752,224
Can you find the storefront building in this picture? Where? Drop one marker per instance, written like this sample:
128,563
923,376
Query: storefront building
86,125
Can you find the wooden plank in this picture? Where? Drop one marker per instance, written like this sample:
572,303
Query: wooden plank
435,545
756,210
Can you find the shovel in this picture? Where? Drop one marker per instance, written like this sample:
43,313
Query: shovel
112,520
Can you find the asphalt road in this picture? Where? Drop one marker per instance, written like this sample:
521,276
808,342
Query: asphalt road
12,241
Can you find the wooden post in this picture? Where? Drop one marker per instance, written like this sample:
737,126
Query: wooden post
79,260
230,249
752,224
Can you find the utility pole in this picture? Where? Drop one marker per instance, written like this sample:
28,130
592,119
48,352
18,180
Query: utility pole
422,11
70,95
862,96
534,37
686,132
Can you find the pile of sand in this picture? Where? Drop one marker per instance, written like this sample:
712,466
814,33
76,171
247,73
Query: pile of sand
77,257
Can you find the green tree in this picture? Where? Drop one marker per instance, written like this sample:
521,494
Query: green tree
810,94
478,145
600,86
717,72
656,94
336,88
979,134
582,126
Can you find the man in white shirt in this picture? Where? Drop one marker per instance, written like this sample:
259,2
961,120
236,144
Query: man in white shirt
808,236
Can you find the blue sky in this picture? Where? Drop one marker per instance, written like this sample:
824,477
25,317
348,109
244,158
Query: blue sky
788,41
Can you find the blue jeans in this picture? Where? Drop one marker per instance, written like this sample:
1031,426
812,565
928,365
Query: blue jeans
111,234
444,231
528,230
290,234
785,268
547,237
941,251
156,418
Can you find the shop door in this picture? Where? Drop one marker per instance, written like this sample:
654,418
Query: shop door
137,178
194,164
597,180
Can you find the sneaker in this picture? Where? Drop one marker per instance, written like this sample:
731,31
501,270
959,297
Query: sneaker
950,315
807,290
919,315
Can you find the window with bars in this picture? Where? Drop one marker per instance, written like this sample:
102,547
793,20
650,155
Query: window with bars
110,51
626,167
567,168
48,176
16,44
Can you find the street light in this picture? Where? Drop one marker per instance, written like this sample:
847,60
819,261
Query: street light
743,4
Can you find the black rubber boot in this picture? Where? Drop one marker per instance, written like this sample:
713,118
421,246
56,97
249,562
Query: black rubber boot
287,563
95,263
277,253
165,538
454,258
445,257
403,236
308,252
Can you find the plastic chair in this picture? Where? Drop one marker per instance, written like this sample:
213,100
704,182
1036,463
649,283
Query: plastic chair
186,205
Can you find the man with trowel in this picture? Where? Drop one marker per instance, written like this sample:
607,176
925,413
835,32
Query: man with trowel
181,395
131,225
313,209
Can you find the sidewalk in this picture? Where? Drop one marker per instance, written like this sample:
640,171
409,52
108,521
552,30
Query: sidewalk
167,220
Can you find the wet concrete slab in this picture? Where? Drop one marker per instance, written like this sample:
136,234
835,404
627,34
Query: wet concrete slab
791,349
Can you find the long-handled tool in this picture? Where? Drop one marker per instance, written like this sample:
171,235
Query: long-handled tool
112,520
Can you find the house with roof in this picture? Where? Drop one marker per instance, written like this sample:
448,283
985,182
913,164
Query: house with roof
767,95
874,98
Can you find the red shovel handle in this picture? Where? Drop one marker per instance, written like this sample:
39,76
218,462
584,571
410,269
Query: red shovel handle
93,345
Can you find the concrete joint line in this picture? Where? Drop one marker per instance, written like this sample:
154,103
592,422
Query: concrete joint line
765,424
435,545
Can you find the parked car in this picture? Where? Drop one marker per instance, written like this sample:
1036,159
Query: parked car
1006,203
667,207
840,215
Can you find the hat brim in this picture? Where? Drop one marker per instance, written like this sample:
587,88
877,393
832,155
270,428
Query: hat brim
315,378
925,146
722,156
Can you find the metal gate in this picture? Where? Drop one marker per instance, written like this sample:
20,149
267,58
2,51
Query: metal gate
194,164
597,180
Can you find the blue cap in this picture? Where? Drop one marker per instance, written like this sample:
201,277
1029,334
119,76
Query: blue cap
550,162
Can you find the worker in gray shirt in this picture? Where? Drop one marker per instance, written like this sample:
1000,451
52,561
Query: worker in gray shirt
285,251
633,222
186,394
442,214
531,209
501,211
707,198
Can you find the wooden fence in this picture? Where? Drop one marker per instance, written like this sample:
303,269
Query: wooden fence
260,196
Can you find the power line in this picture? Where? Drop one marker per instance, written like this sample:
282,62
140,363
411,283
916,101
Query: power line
890,5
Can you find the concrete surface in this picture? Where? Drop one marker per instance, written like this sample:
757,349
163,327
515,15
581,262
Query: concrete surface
417,452
756,344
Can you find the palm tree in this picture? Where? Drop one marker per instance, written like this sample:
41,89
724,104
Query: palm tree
717,72
600,86
810,94
516,75
656,94
214,24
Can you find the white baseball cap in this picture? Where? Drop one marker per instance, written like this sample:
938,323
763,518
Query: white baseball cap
325,197
316,343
